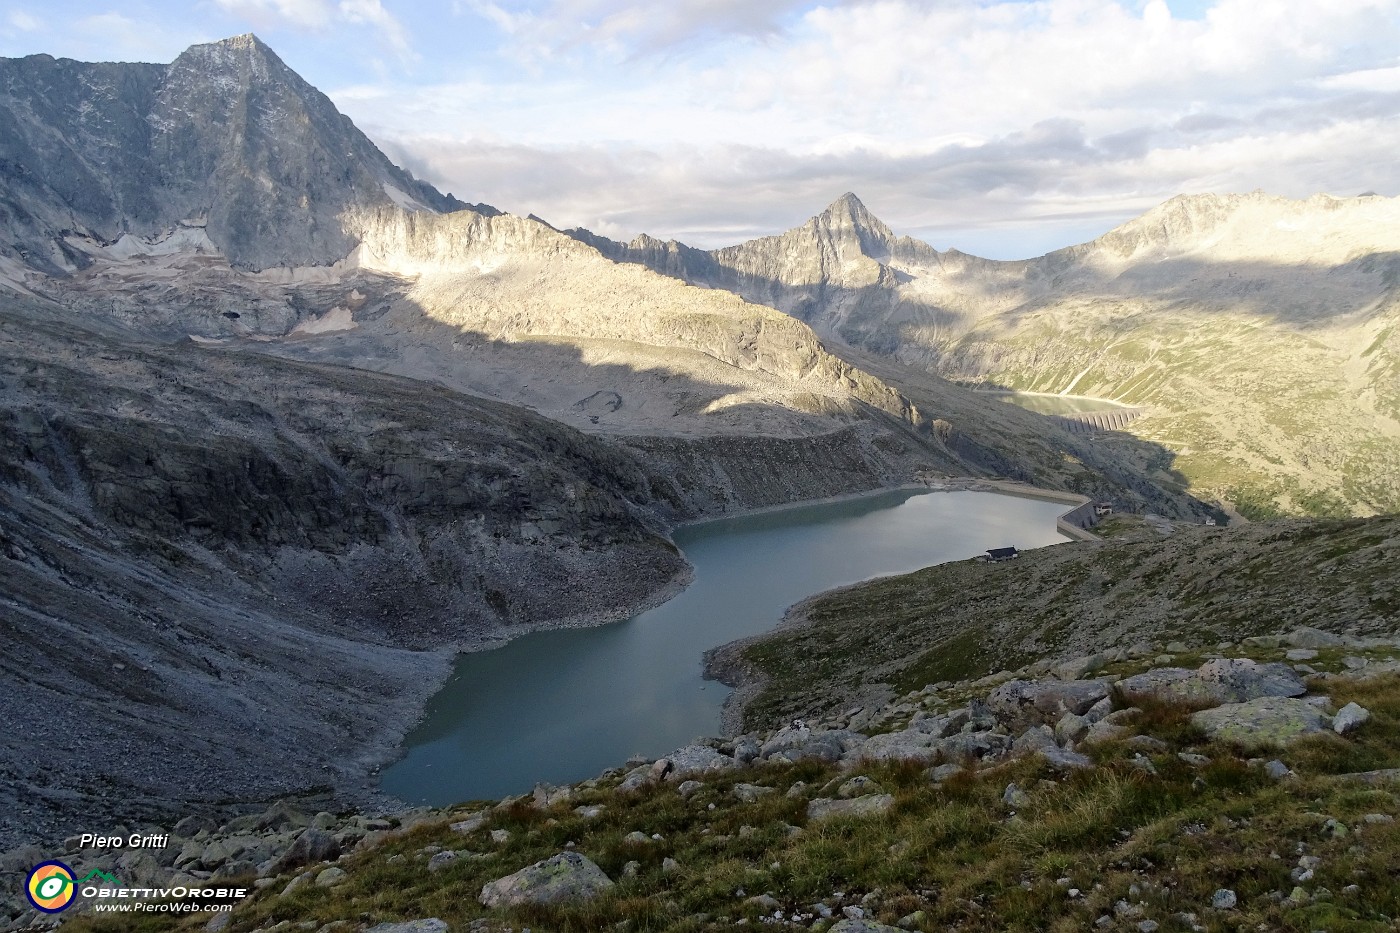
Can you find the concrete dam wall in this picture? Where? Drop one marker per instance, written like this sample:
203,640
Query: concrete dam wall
1092,422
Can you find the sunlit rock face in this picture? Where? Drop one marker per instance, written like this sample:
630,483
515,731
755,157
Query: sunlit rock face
518,281
226,139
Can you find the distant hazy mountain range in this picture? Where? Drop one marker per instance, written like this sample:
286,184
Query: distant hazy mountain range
1260,331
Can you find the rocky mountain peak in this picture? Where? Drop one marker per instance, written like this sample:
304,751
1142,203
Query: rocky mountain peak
245,58
848,220
227,133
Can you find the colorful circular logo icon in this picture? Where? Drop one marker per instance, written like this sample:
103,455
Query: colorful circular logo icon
50,887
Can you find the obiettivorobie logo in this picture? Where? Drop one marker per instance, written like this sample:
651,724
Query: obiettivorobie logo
52,887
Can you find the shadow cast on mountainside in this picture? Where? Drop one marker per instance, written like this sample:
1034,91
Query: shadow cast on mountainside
1117,466
1304,295
715,437
693,408
699,423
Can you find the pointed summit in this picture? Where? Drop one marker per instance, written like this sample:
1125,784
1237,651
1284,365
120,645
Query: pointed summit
246,59
847,217
847,202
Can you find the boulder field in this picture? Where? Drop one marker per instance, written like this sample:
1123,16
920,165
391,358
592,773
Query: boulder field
1188,715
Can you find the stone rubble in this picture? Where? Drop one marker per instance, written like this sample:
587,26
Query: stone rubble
943,728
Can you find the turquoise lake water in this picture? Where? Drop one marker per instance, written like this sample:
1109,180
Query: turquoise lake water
561,706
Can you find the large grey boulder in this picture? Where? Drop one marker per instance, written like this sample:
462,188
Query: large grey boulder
942,725
1221,680
909,745
283,815
1308,637
824,808
635,779
863,926
1071,728
430,925
690,761
786,739
966,745
564,878
749,793
1034,739
1349,718
1243,679
809,744
1262,723
1080,667
313,845
1064,760
1023,702
1171,685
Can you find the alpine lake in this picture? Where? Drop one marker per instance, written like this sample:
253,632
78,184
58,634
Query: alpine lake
561,706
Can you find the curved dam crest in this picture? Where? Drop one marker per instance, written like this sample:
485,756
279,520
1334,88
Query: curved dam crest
561,706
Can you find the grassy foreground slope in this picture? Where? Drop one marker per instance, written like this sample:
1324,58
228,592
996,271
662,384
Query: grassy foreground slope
962,620
1161,828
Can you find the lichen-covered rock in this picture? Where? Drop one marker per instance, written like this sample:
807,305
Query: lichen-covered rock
1022,702
944,725
1064,760
748,793
313,845
1349,718
810,744
430,925
1104,731
1080,667
1308,637
1242,679
690,761
1034,739
564,878
1266,722
635,779
329,877
909,745
985,744
824,808
1171,685
863,926
1071,728
858,786
1220,680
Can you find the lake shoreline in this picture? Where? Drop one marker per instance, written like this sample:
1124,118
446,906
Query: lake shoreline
503,732
725,663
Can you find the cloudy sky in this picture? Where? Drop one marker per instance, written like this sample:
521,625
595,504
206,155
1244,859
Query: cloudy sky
1002,128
